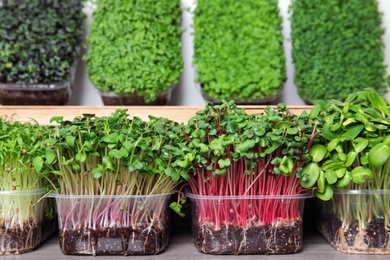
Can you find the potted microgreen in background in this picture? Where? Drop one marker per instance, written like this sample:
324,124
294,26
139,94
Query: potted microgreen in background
238,50
337,48
39,43
134,55
352,163
24,222
115,178
244,189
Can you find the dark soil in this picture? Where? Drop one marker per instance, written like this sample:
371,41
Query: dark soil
19,241
264,239
111,99
35,95
267,100
114,241
374,239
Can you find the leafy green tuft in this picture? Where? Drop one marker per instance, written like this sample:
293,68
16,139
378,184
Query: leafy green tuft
135,47
337,48
239,49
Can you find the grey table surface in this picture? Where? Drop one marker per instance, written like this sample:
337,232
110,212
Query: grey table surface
181,246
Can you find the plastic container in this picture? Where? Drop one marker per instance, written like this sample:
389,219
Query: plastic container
113,225
23,221
35,94
113,99
268,224
267,100
356,221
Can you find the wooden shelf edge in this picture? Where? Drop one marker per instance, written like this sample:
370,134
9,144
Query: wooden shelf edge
181,114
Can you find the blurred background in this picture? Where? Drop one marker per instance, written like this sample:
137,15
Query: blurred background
187,94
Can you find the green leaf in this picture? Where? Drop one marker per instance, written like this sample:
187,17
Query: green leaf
360,144
351,157
376,100
116,153
177,208
340,172
378,155
326,195
344,180
76,167
81,157
332,165
331,177
332,144
168,171
321,182
364,159
360,174
310,175
57,119
50,156
111,138
59,173
352,132
97,172
224,163
328,134
38,163
318,152
70,140
245,146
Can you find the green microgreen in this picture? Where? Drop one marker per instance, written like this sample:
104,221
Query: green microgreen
115,155
238,154
21,184
337,48
239,49
39,40
354,151
135,47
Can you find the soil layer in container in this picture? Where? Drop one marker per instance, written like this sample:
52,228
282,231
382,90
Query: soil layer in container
114,241
267,100
280,238
113,99
23,240
373,239
35,94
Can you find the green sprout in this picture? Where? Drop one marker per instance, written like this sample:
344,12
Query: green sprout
22,186
96,158
39,40
233,153
337,48
353,154
239,49
135,47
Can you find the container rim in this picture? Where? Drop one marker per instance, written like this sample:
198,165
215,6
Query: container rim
361,192
282,197
62,196
23,192
35,86
111,93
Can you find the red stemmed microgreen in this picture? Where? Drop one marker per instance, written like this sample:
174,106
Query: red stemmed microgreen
238,154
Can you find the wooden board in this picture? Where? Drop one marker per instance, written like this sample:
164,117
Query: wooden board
178,113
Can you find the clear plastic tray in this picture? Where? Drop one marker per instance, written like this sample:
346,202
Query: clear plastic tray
35,94
267,100
113,225
113,99
356,221
23,221
264,224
